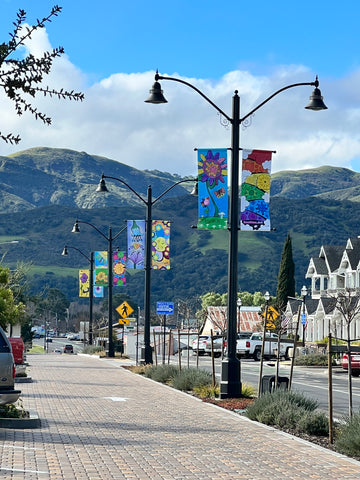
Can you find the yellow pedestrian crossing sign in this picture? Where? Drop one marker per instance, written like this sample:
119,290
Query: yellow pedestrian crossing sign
124,310
272,315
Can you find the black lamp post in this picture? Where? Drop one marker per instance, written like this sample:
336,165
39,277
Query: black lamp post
110,238
303,320
146,353
230,385
91,286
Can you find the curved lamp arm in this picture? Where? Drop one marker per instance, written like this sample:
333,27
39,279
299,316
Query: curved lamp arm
64,252
314,84
160,77
76,228
172,186
102,187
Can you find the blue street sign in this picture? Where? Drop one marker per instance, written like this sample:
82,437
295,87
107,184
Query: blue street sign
165,308
303,318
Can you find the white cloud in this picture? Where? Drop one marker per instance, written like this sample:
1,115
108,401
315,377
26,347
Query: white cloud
114,121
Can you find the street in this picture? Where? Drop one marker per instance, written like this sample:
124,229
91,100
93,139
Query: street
311,381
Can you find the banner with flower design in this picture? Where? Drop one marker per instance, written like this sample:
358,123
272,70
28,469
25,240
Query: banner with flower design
84,283
255,190
136,244
213,188
101,268
160,245
119,268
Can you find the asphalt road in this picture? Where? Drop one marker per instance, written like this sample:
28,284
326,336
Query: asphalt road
311,381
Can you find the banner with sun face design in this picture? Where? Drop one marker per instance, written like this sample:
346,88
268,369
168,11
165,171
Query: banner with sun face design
101,269
84,283
213,188
160,245
119,268
255,190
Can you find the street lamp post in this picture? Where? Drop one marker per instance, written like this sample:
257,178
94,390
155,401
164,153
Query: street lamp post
146,352
110,238
239,303
303,320
230,385
91,286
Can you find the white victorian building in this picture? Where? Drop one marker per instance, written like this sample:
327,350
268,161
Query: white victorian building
335,269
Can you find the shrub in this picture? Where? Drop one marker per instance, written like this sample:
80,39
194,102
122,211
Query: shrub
313,359
161,373
348,440
207,391
15,410
248,391
190,378
289,410
314,423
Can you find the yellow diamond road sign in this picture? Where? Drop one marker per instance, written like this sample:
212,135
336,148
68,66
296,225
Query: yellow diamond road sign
124,310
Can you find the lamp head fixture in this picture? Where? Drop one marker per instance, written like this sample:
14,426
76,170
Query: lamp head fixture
64,253
304,291
102,188
267,296
316,100
239,302
156,94
76,228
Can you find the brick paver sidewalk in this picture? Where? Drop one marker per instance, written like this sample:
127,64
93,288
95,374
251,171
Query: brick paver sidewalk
102,422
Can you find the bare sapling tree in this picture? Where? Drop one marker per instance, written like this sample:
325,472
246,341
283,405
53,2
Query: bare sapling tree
22,78
348,306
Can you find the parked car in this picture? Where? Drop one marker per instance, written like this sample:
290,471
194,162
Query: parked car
18,349
355,363
8,394
202,345
68,349
49,339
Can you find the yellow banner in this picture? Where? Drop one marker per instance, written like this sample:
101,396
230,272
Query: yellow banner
84,284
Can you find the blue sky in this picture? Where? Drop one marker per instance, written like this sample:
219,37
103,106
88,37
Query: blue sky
113,47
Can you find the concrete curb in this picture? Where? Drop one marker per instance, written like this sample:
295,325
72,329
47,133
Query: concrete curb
32,422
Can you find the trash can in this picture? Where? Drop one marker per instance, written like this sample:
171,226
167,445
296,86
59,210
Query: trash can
268,383
119,347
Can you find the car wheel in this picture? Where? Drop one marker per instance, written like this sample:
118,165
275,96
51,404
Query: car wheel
257,355
355,373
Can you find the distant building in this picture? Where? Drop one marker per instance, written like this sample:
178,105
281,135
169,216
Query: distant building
250,320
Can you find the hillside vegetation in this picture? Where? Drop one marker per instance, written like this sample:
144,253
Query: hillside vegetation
43,191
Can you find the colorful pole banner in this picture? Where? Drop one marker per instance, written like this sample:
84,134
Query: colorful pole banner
84,283
160,245
101,268
213,188
119,268
98,292
255,190
136,244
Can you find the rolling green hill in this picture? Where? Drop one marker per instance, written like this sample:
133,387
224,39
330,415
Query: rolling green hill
45,190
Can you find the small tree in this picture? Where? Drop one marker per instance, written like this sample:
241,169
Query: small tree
348,305
22,78
286,276
11,311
